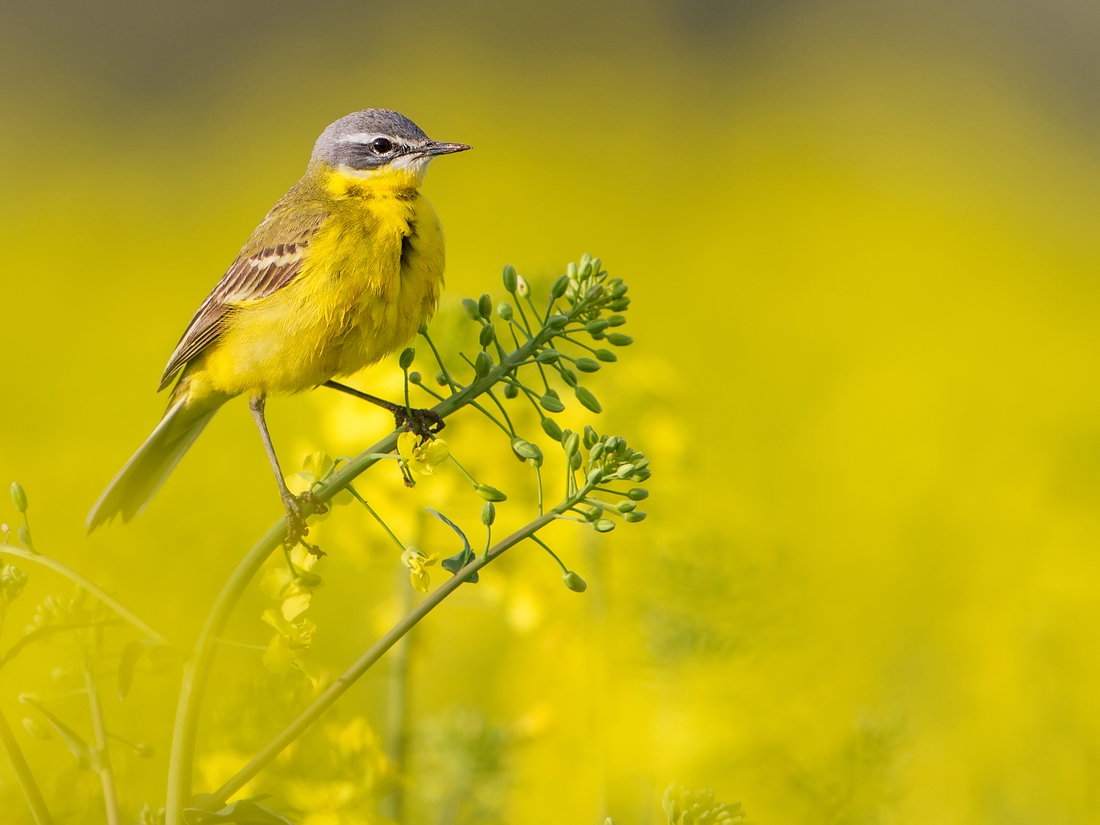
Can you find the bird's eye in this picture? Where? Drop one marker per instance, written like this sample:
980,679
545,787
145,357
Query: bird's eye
381,145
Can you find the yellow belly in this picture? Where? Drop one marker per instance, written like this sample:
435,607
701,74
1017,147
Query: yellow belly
372,278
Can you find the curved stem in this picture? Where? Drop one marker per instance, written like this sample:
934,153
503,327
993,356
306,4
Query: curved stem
103,753
197,672
23,774
76,578
364,663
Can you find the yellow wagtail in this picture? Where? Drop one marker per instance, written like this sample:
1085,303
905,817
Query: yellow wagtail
344,270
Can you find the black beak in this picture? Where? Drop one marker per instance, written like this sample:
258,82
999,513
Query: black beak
437,148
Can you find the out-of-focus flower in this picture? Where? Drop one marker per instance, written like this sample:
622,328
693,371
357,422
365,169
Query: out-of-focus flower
420,455
418,563
688,807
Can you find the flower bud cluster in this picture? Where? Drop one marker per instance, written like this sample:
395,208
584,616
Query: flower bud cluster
587,288
610,458
12,581
54,610
698,807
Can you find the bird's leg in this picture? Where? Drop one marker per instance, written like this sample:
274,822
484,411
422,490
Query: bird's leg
421,422
295,522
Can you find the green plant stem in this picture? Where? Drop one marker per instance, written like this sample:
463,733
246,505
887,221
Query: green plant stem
511,427
76,578
103,753
23,775
364,663
377,518
197,672
46,632
439,360
546,547
396,735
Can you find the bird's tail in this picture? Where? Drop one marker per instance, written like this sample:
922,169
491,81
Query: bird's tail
138,481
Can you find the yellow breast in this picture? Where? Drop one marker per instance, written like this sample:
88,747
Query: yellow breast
372,278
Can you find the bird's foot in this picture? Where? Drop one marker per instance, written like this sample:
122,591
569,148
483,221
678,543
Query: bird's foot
296,527
421,422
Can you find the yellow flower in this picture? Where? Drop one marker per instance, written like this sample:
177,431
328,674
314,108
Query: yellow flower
419,455
418,563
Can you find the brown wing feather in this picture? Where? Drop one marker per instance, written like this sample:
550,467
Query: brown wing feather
249,278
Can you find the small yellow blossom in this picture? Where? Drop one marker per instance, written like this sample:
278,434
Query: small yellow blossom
420,455
418,563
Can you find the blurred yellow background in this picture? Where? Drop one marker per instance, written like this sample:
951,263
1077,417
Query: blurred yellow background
862,245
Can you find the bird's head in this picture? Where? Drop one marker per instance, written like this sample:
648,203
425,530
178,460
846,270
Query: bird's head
378,143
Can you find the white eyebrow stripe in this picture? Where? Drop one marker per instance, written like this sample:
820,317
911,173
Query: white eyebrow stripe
361,137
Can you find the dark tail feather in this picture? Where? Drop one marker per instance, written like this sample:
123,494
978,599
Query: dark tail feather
137,482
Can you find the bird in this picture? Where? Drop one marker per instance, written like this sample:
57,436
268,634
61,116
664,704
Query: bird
344,270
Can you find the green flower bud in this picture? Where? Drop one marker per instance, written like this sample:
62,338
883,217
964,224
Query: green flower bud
548,356
441,379
569,377
470,305
522,289
619,304
571,270
559,287
594,292
642,475
571,444
624,470
25,537
638,494
590,437
488,333
597,325
594,515
613,443
575,461
588,400
617,339
485,307
556,321
510,391
595,475
525,449
18,497
407,356
490,493
40,731
607,356
551,428
635,517
619,290
510,278
415,377
482,364
595,451
604,525
306,578
616,320
551,404
488,514
626,506
574,582
587,365
504,310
